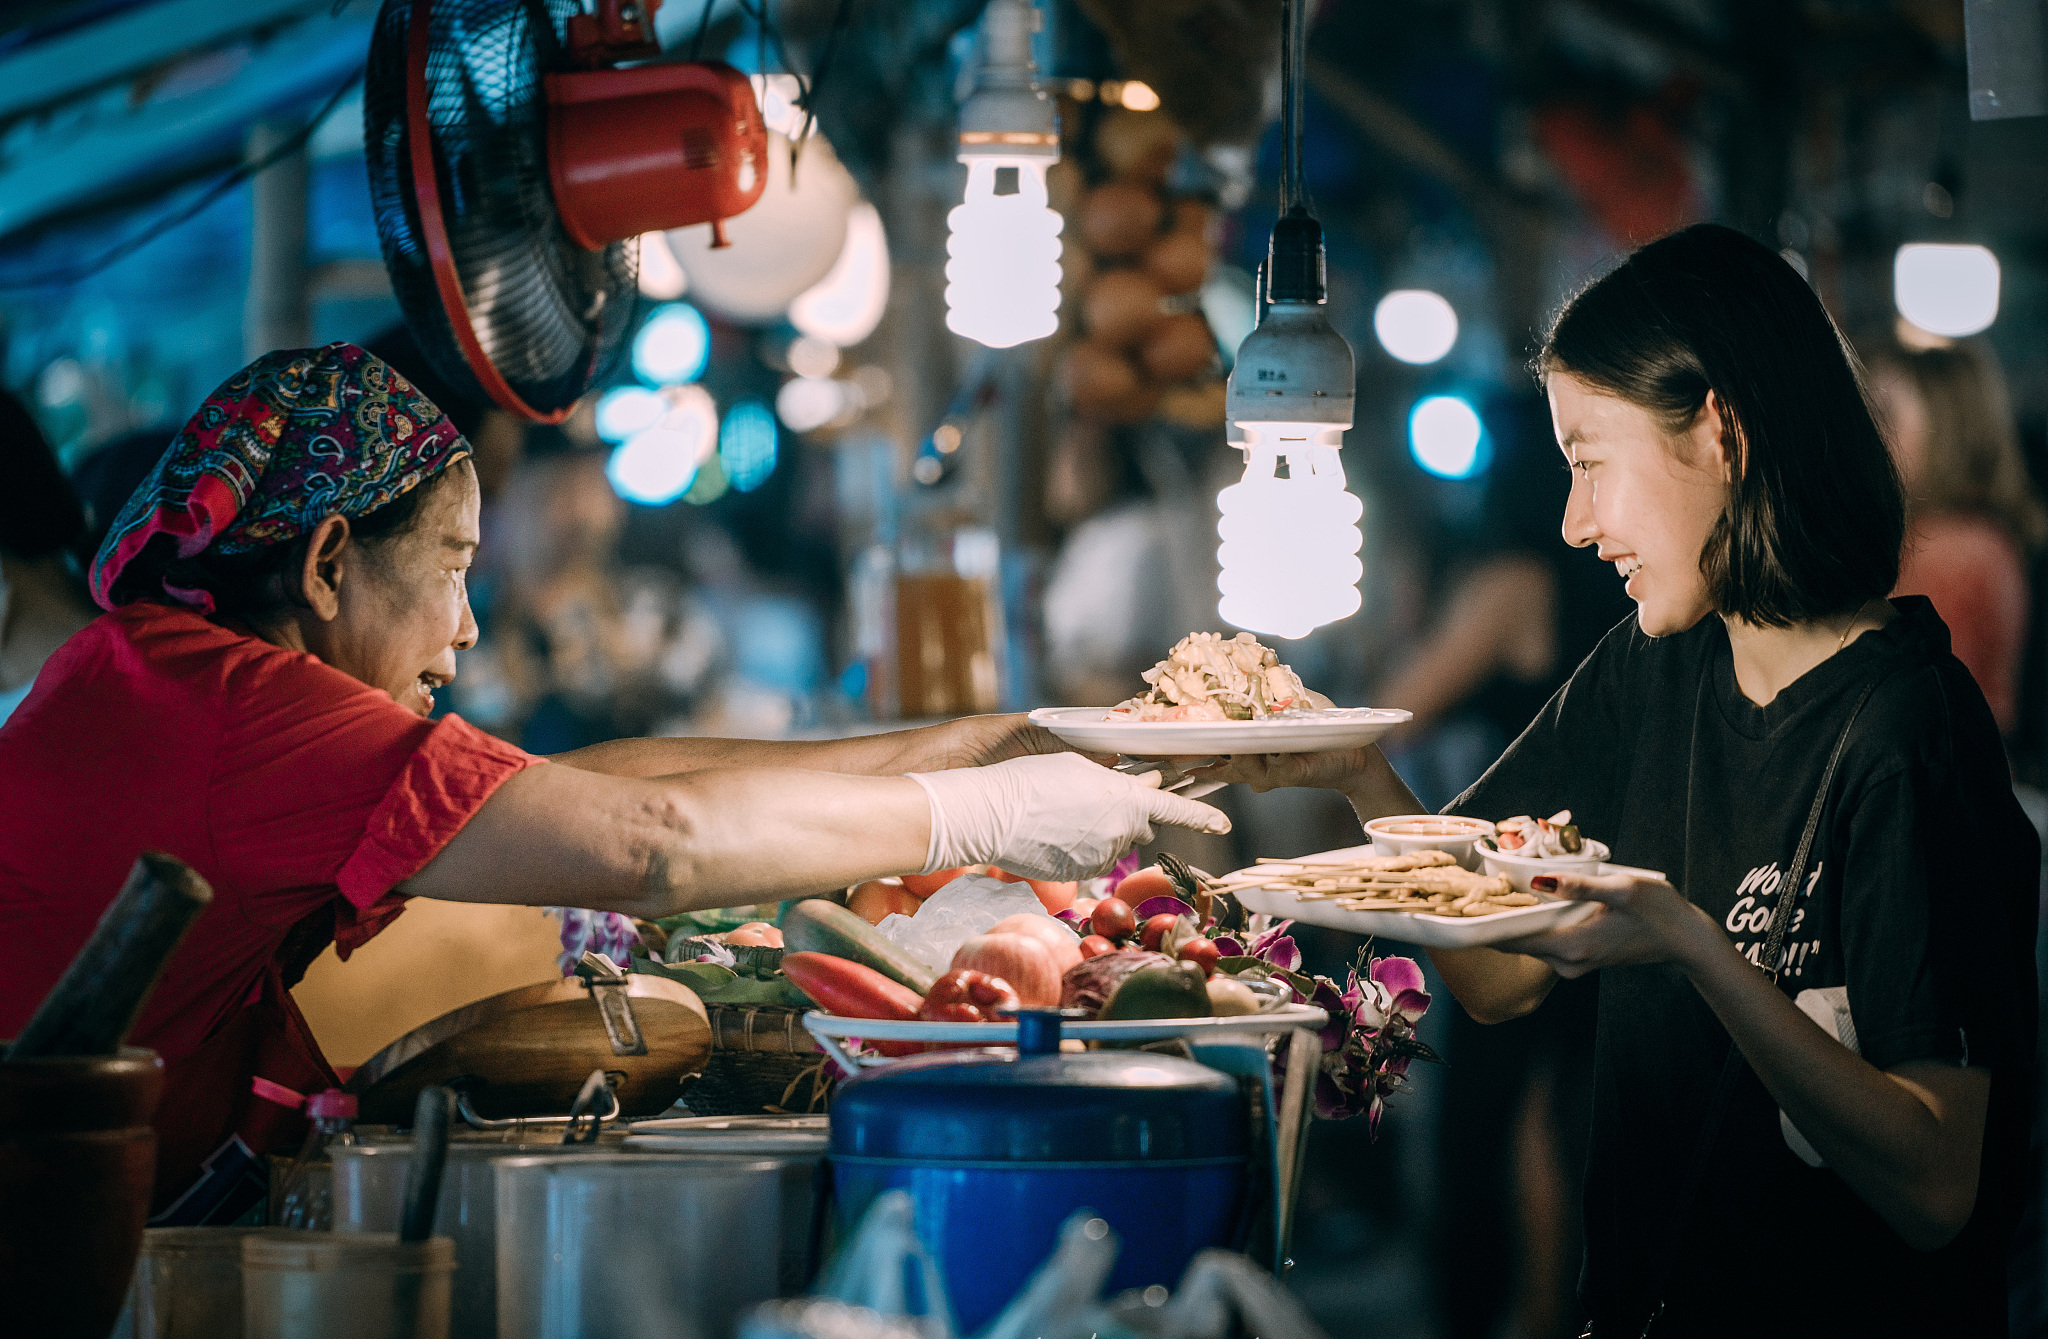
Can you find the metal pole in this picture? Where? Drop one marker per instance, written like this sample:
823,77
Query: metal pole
278,310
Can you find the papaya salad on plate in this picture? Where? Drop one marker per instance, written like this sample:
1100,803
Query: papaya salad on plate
1219,695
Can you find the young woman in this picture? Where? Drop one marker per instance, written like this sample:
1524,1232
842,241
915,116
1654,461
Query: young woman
284,595
1724,460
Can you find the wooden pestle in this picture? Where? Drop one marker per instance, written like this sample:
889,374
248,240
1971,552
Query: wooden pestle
94,1003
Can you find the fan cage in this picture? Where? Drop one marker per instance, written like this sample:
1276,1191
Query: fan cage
550,316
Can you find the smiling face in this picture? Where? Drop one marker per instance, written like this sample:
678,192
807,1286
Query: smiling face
393,611
1644,499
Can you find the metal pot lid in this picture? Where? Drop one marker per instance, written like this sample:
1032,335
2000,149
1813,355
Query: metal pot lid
1040,1105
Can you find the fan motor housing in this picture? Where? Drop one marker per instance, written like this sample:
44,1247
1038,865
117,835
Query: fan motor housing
651,148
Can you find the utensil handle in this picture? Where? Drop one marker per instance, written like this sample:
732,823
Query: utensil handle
94,1004
429,1154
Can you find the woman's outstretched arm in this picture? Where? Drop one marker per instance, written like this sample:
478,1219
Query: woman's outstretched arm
1908,1140
555,835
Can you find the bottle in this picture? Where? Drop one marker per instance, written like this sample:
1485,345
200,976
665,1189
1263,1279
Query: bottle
307,1198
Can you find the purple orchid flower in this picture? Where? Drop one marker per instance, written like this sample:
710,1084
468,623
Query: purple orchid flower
1126,865
1277,947
1162,905
1326,998
1401,978
1332,1102
582,931
1229,946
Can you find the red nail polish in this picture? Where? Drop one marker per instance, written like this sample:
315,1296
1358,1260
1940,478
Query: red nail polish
1544,883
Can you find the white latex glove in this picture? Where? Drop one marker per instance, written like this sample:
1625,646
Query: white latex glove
1056,816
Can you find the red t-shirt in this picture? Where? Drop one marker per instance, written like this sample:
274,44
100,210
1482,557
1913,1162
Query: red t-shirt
1976,577
288,784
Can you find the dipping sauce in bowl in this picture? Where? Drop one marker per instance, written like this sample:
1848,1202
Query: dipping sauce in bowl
1398,834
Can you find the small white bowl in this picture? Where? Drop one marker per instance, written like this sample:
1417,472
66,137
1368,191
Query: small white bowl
1430,832
1519,869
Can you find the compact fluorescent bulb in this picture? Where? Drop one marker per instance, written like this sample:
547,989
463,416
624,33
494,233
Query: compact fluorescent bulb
1290,546
1003,275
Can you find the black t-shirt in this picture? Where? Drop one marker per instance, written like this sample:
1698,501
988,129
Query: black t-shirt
1922,905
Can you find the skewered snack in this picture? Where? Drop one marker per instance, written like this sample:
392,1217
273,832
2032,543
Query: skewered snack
1429,882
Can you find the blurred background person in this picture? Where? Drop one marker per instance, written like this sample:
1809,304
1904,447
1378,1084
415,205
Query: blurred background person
42,598
577,648
1973,514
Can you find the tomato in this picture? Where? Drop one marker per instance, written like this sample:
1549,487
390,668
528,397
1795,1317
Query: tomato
1054,896
876,898
755,934
1155,930
924,885
1148,882
1095,946
1083,907
1113,919
1203,953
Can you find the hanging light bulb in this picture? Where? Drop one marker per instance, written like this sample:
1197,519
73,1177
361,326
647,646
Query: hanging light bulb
1290,545
1003,278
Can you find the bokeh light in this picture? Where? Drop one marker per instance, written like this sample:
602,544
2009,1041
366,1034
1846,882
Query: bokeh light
660,277
805,404
846,305
746,445
657,464
1415,325
673,346
625,410
809,357
1447,438
1946,290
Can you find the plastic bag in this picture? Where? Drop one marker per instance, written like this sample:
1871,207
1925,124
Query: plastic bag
956,913
886,1269
1066,1287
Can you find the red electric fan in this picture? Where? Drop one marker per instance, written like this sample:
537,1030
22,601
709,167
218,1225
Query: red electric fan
513,165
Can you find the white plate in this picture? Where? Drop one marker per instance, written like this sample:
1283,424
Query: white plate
1296,732
1414,927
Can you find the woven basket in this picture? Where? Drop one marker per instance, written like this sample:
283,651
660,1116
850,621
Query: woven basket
762,1063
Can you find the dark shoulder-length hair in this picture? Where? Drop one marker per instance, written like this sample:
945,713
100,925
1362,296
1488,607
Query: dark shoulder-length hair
1815,512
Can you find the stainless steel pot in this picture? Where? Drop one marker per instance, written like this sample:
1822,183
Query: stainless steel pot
369,1189
637,1246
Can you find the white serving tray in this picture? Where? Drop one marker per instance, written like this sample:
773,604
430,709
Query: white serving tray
830,1029
1295,732
1415,927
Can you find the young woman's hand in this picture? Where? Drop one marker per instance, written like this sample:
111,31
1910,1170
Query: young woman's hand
1337,769
1638,920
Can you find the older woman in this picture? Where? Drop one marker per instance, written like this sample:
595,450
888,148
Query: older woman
284,595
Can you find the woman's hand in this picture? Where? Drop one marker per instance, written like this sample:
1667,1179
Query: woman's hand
1336,769
1638,920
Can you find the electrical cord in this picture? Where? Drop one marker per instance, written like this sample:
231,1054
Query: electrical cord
1293,61
232,178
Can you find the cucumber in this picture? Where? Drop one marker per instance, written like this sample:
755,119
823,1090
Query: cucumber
815,925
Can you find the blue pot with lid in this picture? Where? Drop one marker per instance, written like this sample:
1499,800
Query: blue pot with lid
997,1148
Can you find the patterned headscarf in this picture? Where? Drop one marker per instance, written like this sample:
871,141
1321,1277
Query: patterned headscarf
293,438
